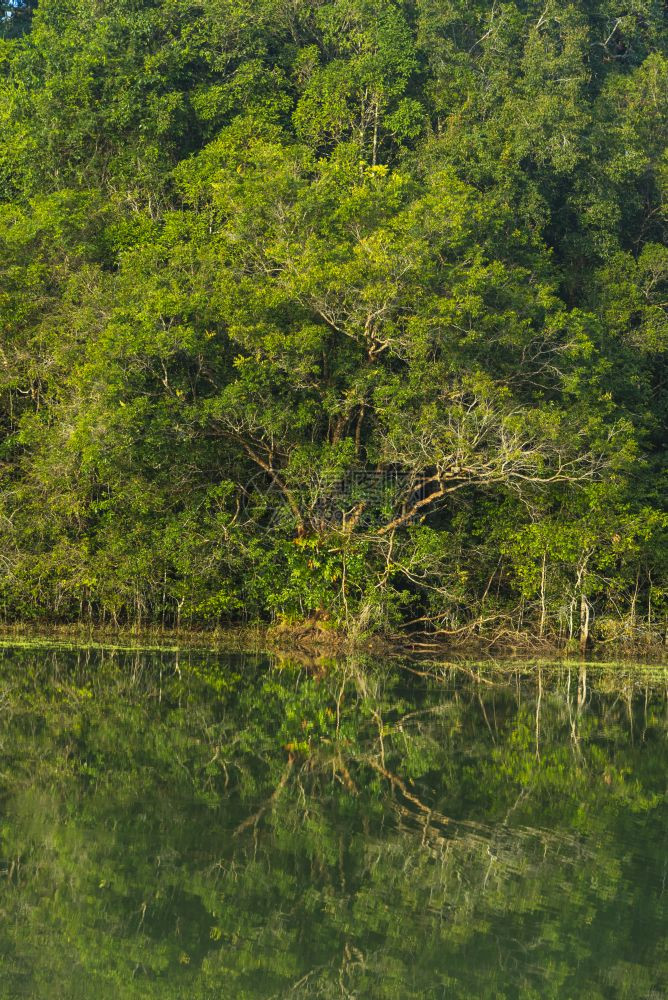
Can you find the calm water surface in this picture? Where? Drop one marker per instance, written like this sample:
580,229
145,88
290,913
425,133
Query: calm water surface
210,826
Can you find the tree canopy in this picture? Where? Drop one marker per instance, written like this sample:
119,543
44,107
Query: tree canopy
340,309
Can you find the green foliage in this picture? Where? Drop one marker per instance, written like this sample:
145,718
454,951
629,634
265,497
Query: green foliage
344,310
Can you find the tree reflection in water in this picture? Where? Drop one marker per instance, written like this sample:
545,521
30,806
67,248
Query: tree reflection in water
229,826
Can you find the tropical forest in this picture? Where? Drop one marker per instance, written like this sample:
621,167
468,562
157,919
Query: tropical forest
341,312
333,499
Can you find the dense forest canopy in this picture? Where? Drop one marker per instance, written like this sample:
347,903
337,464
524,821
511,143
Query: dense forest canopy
340,309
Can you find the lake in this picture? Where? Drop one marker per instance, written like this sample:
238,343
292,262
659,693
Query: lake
199,825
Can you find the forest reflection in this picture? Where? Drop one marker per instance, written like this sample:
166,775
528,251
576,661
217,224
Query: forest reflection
233,826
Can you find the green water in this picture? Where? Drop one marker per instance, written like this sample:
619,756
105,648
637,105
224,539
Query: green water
228,827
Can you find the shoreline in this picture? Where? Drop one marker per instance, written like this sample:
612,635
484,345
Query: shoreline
304,640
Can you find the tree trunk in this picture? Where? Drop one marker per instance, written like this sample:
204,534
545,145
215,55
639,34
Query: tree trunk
585,611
